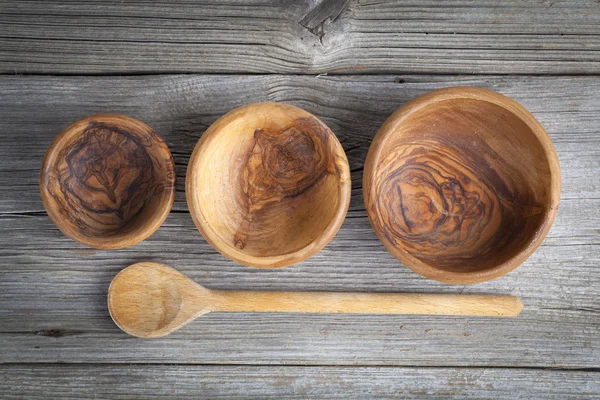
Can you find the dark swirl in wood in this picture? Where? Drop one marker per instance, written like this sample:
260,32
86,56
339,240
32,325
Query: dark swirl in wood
103,179
283,165
439,208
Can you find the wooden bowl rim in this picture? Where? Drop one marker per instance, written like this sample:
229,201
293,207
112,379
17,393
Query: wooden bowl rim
110,242
229,251
474,93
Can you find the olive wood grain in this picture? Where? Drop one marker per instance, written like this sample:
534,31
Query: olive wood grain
108,181
268,185
151,300
461,184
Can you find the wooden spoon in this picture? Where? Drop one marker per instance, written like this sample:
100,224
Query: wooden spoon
152,300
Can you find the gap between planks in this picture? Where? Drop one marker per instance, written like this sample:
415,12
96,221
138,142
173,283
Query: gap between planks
309,365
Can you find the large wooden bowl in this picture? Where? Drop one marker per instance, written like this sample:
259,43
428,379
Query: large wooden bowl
462,184
108,181
268,185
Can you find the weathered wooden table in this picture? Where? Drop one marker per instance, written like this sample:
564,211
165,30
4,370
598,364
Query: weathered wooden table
180,65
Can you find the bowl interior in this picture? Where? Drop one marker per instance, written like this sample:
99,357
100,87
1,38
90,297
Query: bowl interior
269,180
108,180
462,185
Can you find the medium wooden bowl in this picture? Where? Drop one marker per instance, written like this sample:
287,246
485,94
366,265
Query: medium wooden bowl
462,184
268,185
108,181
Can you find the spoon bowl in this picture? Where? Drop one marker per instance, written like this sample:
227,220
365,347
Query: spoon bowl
147,300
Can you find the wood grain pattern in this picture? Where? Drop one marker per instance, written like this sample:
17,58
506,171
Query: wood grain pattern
268,185
462,184
108,181
293,382
43,273
152,300
300,37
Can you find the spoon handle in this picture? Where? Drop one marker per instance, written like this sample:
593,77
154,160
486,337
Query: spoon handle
366,303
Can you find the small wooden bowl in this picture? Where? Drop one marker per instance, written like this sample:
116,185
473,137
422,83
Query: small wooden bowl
108,181
268,185
462,184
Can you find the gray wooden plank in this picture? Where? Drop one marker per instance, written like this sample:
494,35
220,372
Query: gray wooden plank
53,296
308,36
53,291
259,382
34,109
